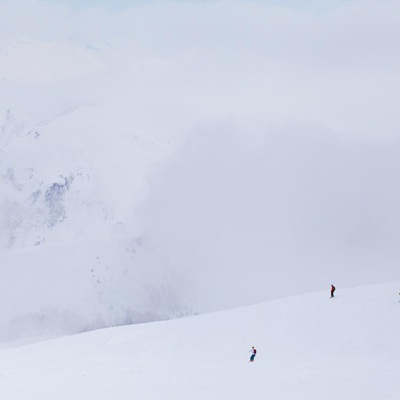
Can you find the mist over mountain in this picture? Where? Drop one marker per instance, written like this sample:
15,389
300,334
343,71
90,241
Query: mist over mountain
174,158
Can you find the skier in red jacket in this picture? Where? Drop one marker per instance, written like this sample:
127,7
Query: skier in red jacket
253,352
332,291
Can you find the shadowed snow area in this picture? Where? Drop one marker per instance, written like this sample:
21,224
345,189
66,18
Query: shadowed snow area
309,347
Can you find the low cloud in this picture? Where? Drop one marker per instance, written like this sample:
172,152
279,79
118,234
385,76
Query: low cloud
261,141
250,217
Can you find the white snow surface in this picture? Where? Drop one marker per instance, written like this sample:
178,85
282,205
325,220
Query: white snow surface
163,159
309,347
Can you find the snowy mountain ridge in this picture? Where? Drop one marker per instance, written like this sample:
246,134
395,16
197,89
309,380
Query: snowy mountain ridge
74,164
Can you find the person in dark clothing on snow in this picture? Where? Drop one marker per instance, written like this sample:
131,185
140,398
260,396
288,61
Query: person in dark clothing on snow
332,291
253,352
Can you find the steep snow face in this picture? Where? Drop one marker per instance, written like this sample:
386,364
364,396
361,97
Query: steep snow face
309,347
77,144
67,178
77,140
43,166
71,176
73,166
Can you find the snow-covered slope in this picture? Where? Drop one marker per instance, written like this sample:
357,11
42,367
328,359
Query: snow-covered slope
309,347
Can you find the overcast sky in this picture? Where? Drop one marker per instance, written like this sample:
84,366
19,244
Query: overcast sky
338,68
123,4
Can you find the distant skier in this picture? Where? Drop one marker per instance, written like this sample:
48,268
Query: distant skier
332,291
253,352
